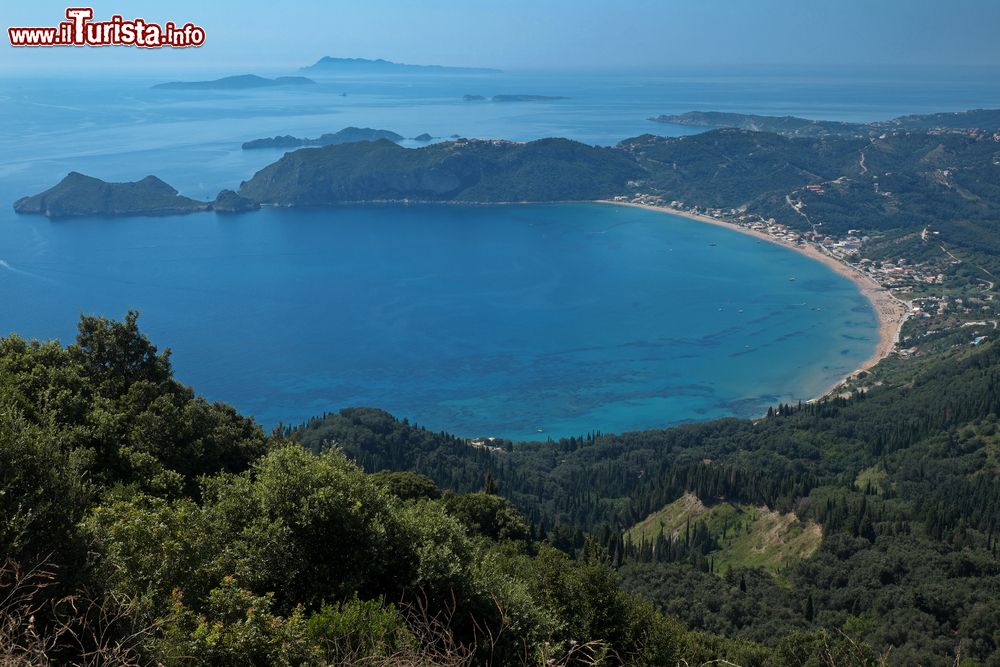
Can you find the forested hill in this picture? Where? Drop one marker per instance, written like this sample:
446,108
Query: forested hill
462,170
80,195
894,189
903,481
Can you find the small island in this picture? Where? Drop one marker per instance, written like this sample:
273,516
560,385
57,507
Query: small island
241,82
345,136
229,201
78,195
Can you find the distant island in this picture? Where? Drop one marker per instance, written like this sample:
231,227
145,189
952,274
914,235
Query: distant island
344,136
514,98
331,65
78,195
981,119
241,82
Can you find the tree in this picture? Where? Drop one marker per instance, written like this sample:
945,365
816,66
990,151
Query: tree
116,354
489,486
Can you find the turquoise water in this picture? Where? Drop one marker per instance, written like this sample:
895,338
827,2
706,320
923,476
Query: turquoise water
518,321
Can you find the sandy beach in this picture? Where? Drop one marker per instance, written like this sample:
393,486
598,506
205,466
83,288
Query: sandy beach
891,312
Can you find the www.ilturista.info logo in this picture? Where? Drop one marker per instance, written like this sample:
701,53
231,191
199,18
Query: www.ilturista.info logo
80,30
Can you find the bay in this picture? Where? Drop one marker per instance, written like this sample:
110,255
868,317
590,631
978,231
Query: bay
517,321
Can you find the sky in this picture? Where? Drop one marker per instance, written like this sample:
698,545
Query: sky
549,34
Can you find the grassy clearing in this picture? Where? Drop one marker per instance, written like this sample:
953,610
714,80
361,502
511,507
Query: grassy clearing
748,536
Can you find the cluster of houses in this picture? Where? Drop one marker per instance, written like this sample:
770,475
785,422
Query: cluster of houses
901,275
489,444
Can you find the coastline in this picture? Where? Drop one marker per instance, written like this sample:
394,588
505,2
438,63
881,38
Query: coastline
891,311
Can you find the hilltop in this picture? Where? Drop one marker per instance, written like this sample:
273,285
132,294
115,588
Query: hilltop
78,195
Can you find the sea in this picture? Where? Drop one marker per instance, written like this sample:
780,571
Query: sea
517,321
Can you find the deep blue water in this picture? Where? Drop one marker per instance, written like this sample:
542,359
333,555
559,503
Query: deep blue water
480,320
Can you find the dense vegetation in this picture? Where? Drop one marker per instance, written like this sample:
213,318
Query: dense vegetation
142,525
78,194
902,479
737,168
463,170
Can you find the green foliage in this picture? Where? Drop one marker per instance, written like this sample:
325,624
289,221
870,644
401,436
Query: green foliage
78,194
915,549
43,495
407,485
361,628
313,528
115,355
236,628
110,404
159,503
489,515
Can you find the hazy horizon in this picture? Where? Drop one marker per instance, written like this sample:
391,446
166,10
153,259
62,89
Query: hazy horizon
529,35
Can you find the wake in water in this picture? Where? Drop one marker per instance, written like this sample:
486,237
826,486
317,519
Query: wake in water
28,274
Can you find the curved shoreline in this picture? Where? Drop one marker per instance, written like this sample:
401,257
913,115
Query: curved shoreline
890,311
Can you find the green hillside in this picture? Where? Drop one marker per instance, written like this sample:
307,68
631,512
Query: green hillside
463,170
743,535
